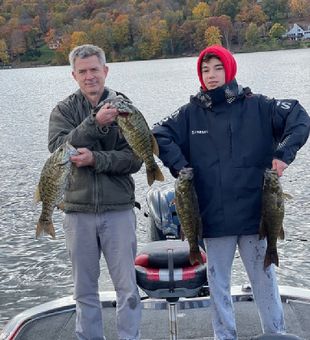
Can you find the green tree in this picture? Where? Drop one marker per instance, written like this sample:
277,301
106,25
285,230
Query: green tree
252,35
226,7
153,39
101,35
239,31
276,31
198,34
275,9
120,31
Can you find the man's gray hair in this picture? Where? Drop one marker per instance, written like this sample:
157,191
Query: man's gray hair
85,51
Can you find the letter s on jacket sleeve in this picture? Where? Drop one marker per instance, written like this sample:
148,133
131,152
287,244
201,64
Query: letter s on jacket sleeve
291,125
171,135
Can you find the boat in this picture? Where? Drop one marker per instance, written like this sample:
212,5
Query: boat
56,319
174,295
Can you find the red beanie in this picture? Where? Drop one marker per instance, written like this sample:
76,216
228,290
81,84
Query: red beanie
226,58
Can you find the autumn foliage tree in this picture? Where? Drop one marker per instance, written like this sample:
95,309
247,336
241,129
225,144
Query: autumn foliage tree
251,13
136,29
276,31
299,7
4,56
225,26
17,43
201,11
153,38
252,35
213,36
79,38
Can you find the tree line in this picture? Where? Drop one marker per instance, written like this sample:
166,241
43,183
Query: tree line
135,29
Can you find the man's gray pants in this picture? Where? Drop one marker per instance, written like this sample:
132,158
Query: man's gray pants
112,233
220,255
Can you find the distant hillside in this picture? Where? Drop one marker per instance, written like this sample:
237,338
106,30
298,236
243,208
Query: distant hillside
44,31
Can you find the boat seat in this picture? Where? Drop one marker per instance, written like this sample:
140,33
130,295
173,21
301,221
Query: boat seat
163,271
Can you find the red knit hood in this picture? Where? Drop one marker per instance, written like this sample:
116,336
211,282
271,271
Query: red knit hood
226,58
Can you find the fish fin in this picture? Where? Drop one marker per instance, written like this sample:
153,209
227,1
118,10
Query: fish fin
262,231
281,233
271,257
154,174
182,235
287,196
45,227
37,196
195,257
155,146
61,206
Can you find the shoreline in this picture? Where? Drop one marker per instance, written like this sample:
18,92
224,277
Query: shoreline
33,64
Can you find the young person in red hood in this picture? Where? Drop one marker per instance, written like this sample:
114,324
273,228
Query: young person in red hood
229,136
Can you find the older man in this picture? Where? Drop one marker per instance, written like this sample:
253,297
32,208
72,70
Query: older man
100,199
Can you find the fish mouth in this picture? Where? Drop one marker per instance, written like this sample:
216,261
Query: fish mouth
187,173
123,114
63,163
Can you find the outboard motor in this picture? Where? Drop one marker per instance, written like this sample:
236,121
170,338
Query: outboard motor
163,221
162,217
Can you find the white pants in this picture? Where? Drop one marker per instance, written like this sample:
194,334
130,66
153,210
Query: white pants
113,234
220,255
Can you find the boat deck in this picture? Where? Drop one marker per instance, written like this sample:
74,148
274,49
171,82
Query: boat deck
193,318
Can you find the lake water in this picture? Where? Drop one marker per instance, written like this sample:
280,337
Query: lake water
35,271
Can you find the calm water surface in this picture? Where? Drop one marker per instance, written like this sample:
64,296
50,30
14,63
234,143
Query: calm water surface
35,271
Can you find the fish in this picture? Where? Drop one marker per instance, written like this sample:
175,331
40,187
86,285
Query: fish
138,135
271,224
186,204
51,187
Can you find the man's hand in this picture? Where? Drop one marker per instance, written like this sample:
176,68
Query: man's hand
84,158
279,166
106,115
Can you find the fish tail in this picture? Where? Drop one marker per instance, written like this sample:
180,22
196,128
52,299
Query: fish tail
45,226
154,174
195,257
271,257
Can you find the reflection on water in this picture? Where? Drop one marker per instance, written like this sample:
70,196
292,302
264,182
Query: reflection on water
35,271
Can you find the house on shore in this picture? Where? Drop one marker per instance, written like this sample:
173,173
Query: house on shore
298,32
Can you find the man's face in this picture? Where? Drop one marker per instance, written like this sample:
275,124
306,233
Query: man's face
90,74
213,73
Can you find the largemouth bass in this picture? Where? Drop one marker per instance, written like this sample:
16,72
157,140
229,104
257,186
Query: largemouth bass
271,225
52,184
138,135
187,209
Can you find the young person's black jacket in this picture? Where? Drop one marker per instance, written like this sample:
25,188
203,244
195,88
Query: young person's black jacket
230,136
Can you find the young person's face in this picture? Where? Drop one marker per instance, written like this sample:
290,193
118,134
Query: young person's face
213,73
